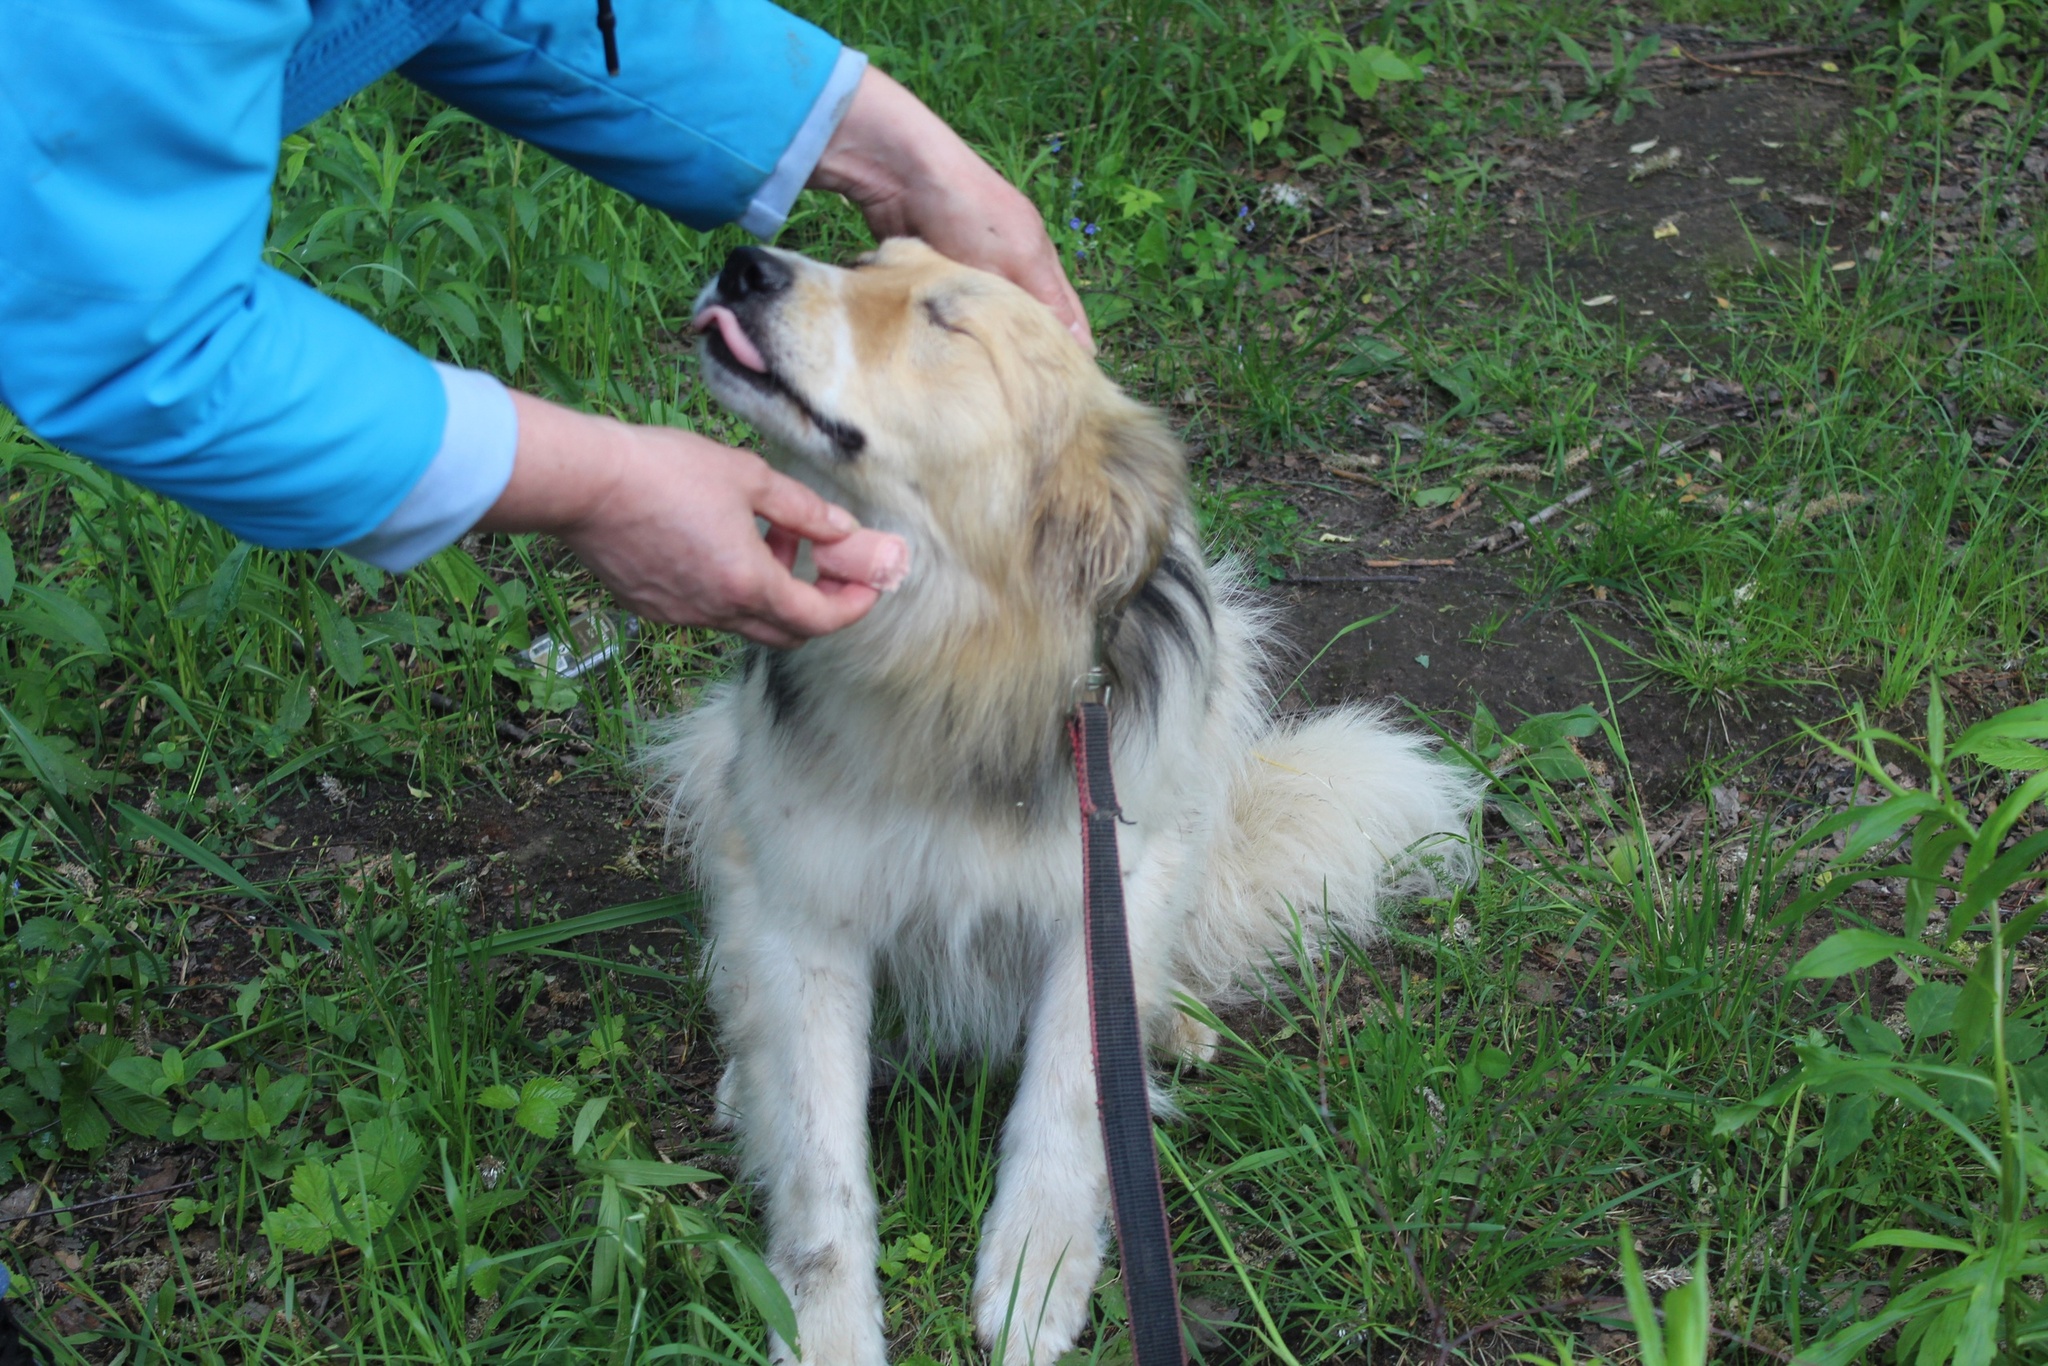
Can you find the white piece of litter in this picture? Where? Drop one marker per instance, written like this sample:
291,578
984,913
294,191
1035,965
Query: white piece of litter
1598,301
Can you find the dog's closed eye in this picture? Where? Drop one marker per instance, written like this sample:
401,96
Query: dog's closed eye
937,316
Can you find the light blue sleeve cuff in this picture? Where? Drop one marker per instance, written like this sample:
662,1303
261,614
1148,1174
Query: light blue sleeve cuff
770,206
464,479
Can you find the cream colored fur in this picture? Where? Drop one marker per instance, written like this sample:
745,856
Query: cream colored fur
892,807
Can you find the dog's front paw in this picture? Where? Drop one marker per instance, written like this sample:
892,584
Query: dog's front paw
1185,1040
1031,1285
838,1319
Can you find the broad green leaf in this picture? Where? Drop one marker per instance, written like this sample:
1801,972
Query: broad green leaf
386,1158
1870,826
82,1122
1370,355
137,1114
1850,950
611,1231
1649,1334
2013,755
1687,1318
155,829
2028,722
1389,67
1910,1237
6,567
757,1284
2023,1040
59,617
480,1271
1977,1344
649,1172
1975,1006
1931,1008
42,760
1872,1038
1846,1128
146,1076
340,640
587,1120
296,1228
224,590
540,1105
498,1097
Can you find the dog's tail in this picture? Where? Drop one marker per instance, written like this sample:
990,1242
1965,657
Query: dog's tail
1332,814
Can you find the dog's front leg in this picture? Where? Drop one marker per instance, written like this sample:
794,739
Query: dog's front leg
1041,1244
796,1021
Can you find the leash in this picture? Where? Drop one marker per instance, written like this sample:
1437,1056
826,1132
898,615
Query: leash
1143,1239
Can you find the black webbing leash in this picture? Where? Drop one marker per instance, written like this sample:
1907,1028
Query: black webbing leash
1142,1237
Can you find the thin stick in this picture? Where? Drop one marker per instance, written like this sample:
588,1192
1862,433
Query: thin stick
1515,531
1779,75
1753,54
1412,564
1353,578
56,1210
1518,530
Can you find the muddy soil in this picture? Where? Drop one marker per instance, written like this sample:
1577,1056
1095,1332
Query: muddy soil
554,847
1728,170
1459,638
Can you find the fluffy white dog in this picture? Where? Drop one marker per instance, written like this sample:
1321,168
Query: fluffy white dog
894,806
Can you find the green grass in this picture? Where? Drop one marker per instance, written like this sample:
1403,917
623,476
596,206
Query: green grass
448,1139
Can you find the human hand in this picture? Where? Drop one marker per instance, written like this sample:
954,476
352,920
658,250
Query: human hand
666,519
912,176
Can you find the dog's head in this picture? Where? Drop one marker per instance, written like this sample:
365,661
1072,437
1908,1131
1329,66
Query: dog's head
947,404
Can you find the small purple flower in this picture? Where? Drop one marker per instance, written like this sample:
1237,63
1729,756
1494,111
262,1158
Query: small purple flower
1074,223
1244,210
1055,143
1091,229
1080,253
1076,185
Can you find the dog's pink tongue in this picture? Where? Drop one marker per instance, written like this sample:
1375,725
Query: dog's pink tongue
736,339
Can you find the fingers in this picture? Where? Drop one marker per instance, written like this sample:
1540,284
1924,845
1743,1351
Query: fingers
801,609
875,558
793,507
783,546
1057,293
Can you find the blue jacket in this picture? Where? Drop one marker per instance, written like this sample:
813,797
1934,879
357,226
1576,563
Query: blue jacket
138,144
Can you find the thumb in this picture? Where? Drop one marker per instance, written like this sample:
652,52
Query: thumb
876,558
790,505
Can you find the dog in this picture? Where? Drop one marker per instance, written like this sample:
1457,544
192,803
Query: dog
893,807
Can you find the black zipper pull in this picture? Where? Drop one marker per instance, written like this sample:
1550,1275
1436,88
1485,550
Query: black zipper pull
608,25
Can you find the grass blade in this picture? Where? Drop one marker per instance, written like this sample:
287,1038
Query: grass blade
610,920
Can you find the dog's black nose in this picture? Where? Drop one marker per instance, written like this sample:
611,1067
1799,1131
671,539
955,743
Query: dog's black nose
751,273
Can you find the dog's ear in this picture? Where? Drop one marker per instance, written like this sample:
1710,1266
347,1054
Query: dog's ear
1108,505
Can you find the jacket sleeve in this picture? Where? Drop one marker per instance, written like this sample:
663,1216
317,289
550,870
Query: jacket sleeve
138,326
718,113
